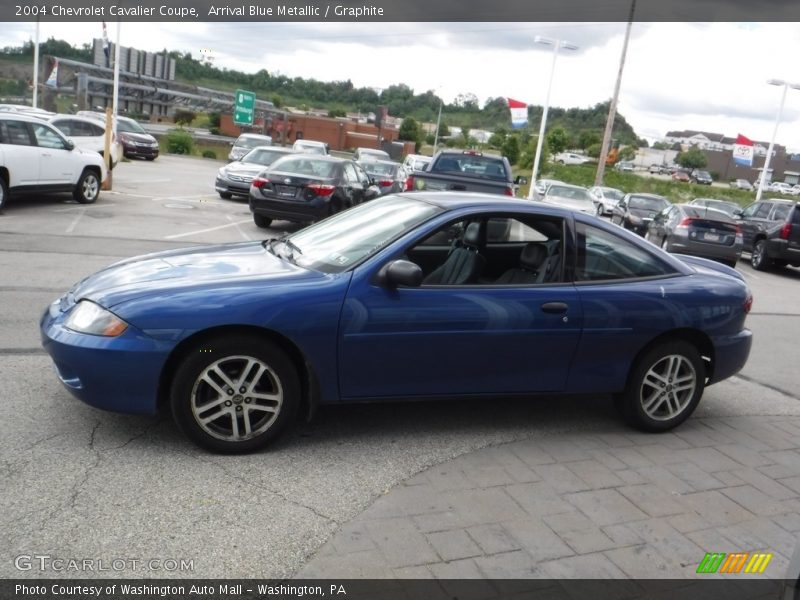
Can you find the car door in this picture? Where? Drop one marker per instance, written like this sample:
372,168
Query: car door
442,340
58,163
351,184
754,219
618,211
20,155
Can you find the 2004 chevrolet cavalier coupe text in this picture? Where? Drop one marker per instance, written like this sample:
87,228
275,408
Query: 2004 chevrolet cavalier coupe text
425,295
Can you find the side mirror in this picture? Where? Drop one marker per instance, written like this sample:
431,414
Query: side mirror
400,272
520,180
70,145
738,213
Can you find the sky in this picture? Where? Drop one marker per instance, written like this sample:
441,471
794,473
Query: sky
701,76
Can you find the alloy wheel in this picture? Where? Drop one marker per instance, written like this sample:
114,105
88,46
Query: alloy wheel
668,387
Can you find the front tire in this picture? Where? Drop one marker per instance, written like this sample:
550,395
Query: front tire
3,193
235,394
759,258
88,188
261,221
664,387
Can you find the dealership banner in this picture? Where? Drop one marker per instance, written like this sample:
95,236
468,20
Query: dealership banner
743,151
519,113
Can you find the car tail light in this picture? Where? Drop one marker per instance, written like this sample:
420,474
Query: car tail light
684,224
322,189
509,191
786,231
385,182
748,303
259,182
410,183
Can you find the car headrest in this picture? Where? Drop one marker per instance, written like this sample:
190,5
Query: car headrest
533,255
472,236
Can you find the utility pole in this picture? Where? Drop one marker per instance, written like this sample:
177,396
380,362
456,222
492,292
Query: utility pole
612,110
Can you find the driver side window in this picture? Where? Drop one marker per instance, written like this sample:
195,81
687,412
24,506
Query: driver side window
47,138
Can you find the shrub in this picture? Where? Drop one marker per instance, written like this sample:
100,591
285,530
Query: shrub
179,142
209,154
184,116
213,130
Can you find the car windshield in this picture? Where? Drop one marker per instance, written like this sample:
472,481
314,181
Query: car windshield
250,142
305,165
339,242
309,148
568,192
473,165
648,203
377,168
703,174
262,156
129,127
613,194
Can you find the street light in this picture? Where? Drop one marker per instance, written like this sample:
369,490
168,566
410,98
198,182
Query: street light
438,122
786,85
557,45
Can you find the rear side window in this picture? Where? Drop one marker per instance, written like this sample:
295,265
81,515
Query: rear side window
781,212
796,215
604,256
15,133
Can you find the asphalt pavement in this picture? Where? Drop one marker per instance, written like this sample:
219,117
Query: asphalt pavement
539,487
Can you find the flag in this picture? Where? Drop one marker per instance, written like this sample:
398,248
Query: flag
519,113
106,45
743,151
52,81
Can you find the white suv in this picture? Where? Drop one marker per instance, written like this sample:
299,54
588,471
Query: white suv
87,133
36,157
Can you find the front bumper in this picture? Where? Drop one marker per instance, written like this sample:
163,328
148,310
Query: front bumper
134,150
237,188
119,374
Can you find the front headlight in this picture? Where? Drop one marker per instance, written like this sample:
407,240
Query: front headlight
634,220
222,173
88,317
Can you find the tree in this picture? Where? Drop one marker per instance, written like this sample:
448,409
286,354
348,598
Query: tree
693,158
627,153
557,140
511,149
660,146
444,130
589,138
410,131
498,138
184,116
594,150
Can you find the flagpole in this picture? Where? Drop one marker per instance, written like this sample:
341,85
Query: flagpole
36,67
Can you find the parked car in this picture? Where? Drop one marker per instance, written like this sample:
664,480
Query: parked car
570,158
605,198
541,185
569,196
742,184
726,206
635,211
304,187
701,177
88,134
136,142
780,187
390,177
26,110
682,176
310,147
240,339
625,167
656,169
698,231
771,232
246,142
467,171
36,157
416,162
235,178
362,154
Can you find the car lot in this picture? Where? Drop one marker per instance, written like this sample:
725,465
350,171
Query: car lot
86,484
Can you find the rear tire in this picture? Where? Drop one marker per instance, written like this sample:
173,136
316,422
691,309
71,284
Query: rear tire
261,221
235,394
664,387
758,258
600,210
3,193
88,188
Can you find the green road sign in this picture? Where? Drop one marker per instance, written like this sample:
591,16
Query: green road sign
244,108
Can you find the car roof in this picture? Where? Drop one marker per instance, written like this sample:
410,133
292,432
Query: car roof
274,148
647,195
456,200
323,157
92,120
20,116
254,136
562,184
382,162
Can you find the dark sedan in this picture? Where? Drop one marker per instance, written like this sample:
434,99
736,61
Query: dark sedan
390,177
136,142
729,208
701,177
635,211
698,231
234,179
305,187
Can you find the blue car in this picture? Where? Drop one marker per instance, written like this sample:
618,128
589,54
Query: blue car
410,296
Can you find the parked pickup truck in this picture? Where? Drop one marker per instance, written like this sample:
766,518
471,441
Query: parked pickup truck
467,171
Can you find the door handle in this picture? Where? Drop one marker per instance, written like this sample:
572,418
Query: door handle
555,307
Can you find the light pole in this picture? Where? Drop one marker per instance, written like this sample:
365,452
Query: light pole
786,85
438,122
557,45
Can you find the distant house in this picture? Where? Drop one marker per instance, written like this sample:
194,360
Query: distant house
715,142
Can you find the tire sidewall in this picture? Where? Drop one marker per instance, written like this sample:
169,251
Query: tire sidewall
3,193
630,404
758,258
200,357
79,188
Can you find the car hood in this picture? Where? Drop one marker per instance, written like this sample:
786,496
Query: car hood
203,267
138,137
244,169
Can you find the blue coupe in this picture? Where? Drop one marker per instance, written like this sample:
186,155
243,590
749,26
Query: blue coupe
426,295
